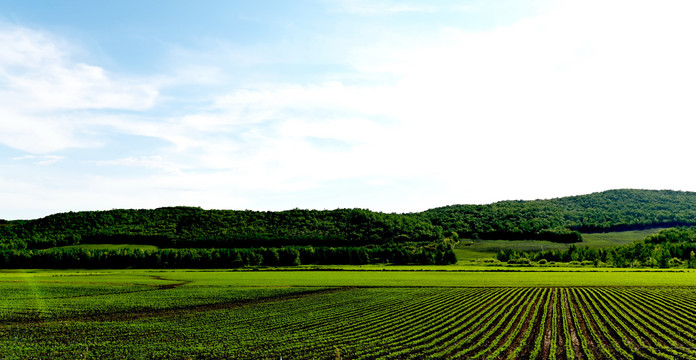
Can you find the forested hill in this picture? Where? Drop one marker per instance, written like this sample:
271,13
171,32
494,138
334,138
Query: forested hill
560,220
195,227
611,210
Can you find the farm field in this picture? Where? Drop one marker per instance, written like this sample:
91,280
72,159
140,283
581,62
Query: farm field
346,314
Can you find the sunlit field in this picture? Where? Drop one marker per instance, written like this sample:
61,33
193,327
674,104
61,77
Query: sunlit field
347,314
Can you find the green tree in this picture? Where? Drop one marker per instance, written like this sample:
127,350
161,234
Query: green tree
692,261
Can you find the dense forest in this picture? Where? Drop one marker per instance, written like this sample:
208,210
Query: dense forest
564,219
561,220
185,227
415,234
193,237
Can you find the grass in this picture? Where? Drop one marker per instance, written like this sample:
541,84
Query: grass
403,276
469,250
599,240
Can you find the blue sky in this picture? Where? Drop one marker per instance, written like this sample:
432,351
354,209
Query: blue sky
394,106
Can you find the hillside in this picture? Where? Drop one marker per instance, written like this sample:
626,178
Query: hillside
557,219
194,227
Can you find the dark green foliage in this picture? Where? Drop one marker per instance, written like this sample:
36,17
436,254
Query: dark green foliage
562,219
673,235
273,235
192,237
691,264
226,258
184,227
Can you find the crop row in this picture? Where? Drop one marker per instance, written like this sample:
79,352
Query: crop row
391,323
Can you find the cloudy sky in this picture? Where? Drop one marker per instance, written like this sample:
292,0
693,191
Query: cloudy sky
394,106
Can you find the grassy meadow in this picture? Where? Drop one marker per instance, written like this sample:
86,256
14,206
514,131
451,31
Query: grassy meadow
475,250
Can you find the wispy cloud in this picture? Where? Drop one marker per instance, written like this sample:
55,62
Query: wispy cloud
366,7
42,88
546,106
532,95
155,162
391,7
42,160
39,73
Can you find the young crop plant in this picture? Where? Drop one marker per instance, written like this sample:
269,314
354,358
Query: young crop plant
553,339
605,343
632,335
491,327
503,300
566,323
497,351
131,314
535,321
586,342
665,340
425,337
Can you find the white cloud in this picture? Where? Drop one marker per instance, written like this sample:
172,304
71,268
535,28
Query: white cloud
365,7
38,73
528,110
583,97
34,134
580,97
149,162
42,86
40,160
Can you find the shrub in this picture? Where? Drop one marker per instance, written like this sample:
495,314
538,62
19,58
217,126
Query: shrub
519,261
650,262
674,262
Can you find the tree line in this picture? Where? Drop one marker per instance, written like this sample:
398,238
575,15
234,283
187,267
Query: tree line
431,254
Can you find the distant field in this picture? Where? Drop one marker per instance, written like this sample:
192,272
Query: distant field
193,314
598,240
469,250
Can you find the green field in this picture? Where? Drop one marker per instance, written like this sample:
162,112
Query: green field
470,250
182,314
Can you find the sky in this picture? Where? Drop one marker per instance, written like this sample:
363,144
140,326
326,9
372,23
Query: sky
394,106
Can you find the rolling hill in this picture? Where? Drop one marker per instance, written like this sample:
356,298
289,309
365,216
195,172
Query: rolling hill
561,220
554,219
